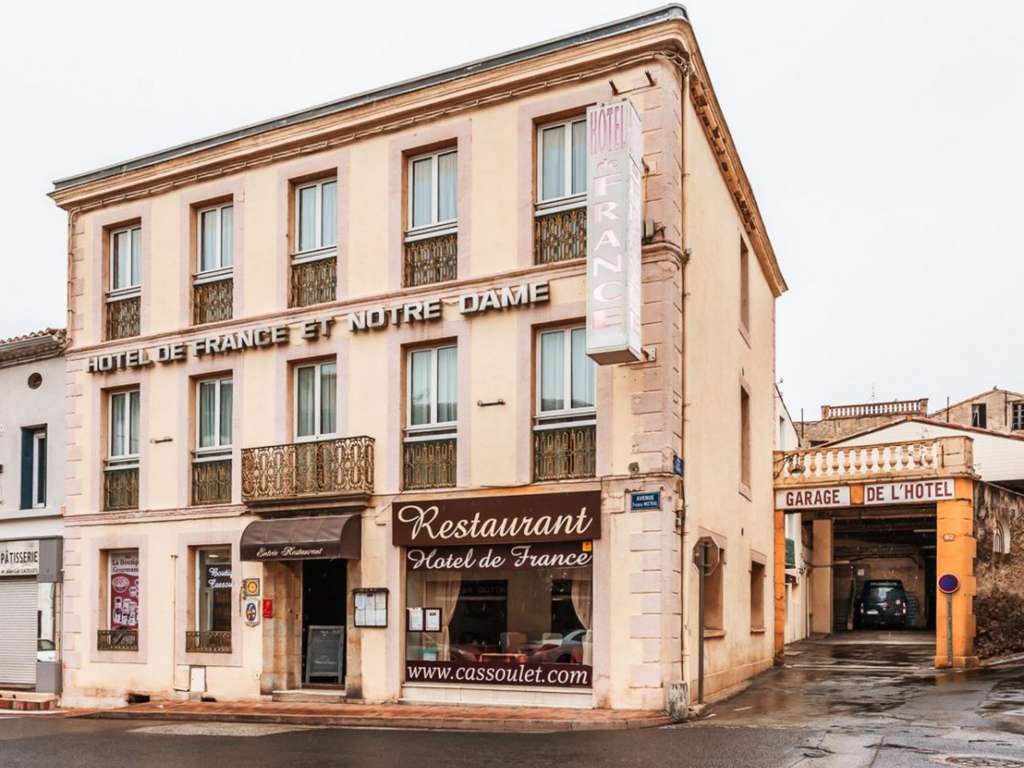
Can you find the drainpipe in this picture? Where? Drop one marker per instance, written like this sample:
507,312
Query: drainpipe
682,391
174,616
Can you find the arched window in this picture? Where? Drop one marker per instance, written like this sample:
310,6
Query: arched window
1001,539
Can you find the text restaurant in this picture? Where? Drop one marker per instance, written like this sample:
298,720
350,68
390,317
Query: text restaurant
499,590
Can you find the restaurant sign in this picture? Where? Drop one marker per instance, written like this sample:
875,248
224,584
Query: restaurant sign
502,557
19,558
614,220
528,518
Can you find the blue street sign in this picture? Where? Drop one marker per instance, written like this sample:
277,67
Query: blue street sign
677,465
948,583
640,501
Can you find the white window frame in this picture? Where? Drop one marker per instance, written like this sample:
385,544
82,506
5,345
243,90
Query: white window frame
38,499
130,459
319,251
197,577
434,429
556,419
135,284
220,271
568,200
220,448
1016,407
435,227
317,415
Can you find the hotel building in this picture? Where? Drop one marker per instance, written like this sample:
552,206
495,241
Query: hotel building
429,394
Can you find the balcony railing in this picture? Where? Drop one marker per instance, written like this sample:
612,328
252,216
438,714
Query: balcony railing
117,640
431,260
891,408
313,282
121,488
212,641
212,301
122,318
560,236
315,470
565,453
428,464
211,481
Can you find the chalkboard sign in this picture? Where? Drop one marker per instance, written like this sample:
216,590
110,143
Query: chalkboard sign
325,648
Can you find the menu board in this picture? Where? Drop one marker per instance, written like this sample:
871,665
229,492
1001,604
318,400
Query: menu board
324,652
124,590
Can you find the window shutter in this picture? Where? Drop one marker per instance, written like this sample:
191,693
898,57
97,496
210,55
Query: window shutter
26,469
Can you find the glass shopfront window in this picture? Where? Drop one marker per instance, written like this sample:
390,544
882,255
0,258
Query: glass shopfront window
213,585
518,614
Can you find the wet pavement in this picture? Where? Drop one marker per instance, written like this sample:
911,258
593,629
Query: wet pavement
862,701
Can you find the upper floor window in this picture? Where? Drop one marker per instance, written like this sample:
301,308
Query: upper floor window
1017,419
562,160
124,425
33,468
216,246
213,428
433,388
979,415
745,445
316,215
433,189
744,287
316,398
566,375
125,258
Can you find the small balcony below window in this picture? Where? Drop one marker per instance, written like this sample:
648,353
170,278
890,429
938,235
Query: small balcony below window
121,318
428,464
212,299
560,234
430,258
121,487
117,640
313,281
211,480
564,452
337,470
211,641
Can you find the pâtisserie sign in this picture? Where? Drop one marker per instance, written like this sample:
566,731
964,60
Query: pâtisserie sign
374,318
571,516
501,557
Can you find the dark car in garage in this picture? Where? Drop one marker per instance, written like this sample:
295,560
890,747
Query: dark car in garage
882,603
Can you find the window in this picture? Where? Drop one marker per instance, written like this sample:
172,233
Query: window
124,425
714,590
316,215
433,189
1017,416
562,161
215,232
744,287
565,379
125,258
433,388
213,589
213,415
757,573
125,590
316,394
1001,538
745,438
33,468
979,415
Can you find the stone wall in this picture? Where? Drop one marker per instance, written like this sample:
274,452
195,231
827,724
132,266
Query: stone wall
999,603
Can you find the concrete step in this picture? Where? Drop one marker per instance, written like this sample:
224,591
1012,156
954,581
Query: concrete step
310,695
27,701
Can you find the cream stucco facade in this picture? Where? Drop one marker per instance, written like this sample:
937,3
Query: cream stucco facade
708,335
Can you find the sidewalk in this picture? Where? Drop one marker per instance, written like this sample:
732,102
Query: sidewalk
402,716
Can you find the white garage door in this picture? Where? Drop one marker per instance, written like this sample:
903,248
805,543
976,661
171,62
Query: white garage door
18,639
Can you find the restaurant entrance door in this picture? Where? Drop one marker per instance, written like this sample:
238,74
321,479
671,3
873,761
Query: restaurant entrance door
323,622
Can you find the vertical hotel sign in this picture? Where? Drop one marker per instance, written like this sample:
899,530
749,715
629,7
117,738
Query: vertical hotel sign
614,213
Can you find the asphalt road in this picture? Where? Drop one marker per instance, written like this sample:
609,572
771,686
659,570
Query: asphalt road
832,706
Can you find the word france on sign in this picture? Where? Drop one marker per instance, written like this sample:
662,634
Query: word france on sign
813,498
910,492
614,219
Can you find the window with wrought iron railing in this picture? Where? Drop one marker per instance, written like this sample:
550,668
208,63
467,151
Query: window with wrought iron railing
121,473
431,240
314,260
430,445
560,218
211,460
123,305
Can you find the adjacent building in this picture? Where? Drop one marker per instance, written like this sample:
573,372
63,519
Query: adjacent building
32,432
429,394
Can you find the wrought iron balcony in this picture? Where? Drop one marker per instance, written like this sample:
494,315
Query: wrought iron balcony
560,235
122,318
117,640
313,282
428,464
211,481
212,641
326,470
121,488
565,453
212,301
430,260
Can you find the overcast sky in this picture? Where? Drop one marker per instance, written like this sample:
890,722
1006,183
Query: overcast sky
884,141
